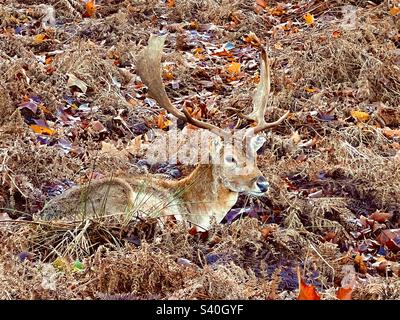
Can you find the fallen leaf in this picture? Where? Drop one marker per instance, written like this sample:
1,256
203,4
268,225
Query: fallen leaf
90,9
60,264
73,81
266,232
381,216
97,126
162,121
78,266
48,60
108,148
359,115
309,18
310,89
42,129
252,39
360,264
192,231
167,73
39,38
336,34
135,145
170,3
344,293
234,68
389,238
261,3
394,11
277,11
389,133
306,292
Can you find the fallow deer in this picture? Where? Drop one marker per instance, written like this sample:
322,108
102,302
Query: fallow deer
209,191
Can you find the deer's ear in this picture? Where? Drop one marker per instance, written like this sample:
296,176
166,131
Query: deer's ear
257,142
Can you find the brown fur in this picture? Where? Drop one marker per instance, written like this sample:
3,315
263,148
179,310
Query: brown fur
209,192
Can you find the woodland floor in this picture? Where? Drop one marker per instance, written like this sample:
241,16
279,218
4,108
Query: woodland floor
333,214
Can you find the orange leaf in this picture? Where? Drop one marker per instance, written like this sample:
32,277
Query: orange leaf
234,68
39,38
309,18
394,11
359,262
381,216
48,60
310,89
252,39
306,292
261,3
170,3
336,34
389,133
359,115
90,9
42,130
344,293
266,232
223,53
277,11
162,122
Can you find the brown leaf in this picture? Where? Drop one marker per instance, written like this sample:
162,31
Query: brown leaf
170,3
306,292
261,3
390,134
344,293
252,39
360,264
336,34
381,216
389,238
266,232
277,11
73,81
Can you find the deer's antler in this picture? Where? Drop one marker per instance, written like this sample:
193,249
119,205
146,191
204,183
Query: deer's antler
148,67
261,96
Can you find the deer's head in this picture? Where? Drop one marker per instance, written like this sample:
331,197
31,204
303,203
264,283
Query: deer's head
235,164
234,159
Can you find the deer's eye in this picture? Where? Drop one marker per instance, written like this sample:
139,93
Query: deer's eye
230,159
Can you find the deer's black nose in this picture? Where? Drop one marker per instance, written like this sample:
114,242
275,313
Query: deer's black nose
262,184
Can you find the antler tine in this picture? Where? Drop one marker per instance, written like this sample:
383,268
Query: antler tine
148,68
261,97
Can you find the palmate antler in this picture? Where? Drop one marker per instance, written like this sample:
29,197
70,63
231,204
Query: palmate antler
260,99
148,67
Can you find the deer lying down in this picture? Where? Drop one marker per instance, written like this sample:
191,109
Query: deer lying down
208,193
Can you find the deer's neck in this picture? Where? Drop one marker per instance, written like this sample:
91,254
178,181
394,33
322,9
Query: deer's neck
204,195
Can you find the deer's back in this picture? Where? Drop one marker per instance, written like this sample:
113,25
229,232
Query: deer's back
114,196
